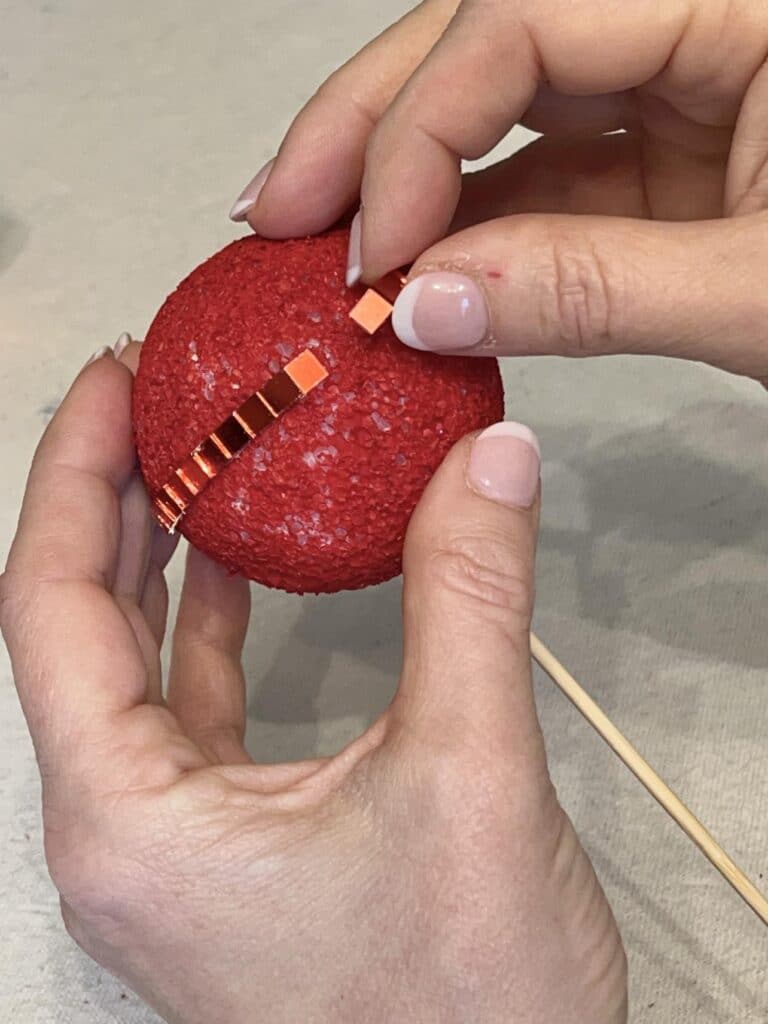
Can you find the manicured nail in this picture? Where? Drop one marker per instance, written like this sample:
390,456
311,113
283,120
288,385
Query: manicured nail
504,465
99,354
441,312
354,258
250,194
122,344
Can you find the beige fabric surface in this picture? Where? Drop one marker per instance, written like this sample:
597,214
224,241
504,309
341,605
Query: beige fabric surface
125,132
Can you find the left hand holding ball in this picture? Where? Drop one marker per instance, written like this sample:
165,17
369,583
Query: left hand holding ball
426,873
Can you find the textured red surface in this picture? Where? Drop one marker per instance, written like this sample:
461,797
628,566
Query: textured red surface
319,501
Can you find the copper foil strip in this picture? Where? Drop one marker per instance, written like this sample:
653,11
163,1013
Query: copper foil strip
228,440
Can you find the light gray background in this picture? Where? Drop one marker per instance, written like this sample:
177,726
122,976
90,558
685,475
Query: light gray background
126,129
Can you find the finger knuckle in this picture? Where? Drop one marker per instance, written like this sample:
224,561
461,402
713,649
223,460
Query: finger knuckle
328,93
9,600
20,596
338,93
487,572
578,296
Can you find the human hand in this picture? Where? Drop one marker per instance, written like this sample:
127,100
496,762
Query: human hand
668,252
426,873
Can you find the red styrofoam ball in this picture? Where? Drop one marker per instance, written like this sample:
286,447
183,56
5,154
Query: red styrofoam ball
319,501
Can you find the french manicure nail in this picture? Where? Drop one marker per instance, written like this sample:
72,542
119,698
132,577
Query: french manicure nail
441,312
122,344
505,464
250,194
354,257
99,354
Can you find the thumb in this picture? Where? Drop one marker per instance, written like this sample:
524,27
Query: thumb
584,286
468,598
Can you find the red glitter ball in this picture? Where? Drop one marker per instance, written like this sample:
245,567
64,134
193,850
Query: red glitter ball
320,500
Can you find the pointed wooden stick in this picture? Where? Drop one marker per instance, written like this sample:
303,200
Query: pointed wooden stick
655,785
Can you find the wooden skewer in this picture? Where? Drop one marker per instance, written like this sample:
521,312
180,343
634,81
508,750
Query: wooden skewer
655,785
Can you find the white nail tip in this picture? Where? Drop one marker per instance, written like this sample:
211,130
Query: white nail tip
354,260
122,344
402,316
240,209
515,430
250,194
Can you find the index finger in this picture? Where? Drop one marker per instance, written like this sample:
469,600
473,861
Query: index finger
476,84
316,176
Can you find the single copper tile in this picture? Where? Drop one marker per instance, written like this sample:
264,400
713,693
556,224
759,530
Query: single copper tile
254,414
231,435
306,371
372,311
280,392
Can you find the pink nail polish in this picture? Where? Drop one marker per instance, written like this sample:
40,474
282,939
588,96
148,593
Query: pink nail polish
250,194
354,258
505,463
441,312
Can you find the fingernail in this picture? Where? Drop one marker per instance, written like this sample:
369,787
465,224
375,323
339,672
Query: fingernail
354,257
122,344
441,312
505,463
99,354
250,194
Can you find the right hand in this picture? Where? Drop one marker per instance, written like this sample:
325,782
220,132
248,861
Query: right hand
653,241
